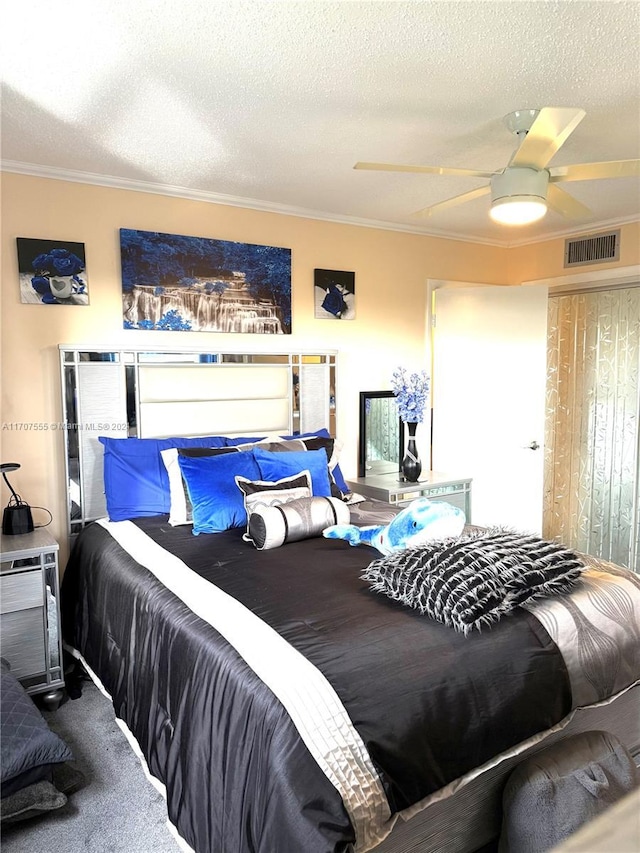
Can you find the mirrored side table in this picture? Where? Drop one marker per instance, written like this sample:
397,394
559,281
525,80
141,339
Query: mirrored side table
30,629
433,485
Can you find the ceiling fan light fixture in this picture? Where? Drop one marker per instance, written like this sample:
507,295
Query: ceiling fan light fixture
519,195
518,210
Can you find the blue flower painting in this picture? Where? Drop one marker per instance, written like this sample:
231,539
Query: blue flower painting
52,272
334,295
199,284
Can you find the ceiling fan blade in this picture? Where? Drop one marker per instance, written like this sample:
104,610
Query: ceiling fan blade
566,204
429,170
551,129
452,202
593,171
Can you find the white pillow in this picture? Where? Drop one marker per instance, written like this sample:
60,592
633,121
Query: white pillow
179,513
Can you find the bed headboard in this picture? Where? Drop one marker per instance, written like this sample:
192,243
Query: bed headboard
133,392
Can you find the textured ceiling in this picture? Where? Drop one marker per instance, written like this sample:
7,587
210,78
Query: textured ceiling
270,104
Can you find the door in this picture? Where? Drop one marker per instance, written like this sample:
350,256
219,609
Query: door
592,459
488,397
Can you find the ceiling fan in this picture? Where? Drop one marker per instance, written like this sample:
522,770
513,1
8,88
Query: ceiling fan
522,192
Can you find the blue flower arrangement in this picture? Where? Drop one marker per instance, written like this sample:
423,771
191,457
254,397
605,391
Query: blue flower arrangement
411,390
60,262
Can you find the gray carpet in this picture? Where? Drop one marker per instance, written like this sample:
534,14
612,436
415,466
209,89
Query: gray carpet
116,809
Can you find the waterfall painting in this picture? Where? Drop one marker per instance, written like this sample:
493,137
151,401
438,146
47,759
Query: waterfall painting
199,284
334,295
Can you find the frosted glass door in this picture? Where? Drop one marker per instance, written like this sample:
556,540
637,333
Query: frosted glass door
593,412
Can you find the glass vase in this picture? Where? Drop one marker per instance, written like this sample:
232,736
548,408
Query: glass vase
411,465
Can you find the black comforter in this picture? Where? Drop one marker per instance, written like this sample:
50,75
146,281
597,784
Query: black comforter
428,703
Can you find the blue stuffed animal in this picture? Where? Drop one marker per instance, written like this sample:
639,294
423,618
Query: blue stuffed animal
421,521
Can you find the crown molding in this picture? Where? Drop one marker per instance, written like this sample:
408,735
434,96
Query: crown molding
579,231
94,179
74,176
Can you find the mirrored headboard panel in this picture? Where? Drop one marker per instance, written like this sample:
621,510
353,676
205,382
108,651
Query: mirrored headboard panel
145,394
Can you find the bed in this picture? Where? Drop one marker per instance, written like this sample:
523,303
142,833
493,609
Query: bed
285,706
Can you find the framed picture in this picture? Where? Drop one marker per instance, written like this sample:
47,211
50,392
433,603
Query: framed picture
198,284
52,272
334,295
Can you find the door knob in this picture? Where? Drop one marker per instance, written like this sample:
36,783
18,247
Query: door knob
533,446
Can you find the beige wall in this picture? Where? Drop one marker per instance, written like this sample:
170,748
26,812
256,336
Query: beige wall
389,330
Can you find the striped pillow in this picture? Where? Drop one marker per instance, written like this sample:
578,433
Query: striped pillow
275,525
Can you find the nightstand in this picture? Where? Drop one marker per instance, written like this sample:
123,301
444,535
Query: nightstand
432,485
30,629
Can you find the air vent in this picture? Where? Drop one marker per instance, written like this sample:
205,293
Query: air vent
592,250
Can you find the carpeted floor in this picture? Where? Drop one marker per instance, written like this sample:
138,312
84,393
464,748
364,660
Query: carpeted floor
116,809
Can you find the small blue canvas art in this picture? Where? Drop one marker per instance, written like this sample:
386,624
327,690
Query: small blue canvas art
52,272
334,295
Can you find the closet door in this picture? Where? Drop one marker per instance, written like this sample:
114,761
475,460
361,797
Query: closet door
592,481
488,393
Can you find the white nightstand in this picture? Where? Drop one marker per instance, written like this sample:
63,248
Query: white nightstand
432,485
30,629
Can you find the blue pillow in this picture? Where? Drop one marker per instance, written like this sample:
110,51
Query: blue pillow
336,473
217,503
136,483
252,439
275,466
340,482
